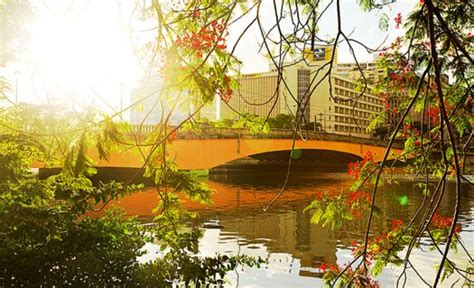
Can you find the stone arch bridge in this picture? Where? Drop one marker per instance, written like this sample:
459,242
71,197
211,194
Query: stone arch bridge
216,146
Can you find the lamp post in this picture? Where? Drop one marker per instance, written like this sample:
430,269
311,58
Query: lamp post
16,72
321,121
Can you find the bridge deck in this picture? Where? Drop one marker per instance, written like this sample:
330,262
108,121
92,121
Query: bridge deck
212,147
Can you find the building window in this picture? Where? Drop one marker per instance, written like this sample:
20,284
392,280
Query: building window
303,95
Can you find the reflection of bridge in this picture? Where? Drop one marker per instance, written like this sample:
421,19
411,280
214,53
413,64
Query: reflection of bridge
215,146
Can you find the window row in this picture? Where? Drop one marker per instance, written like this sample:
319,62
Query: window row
351,94
348,129
368,110
347,84
342,119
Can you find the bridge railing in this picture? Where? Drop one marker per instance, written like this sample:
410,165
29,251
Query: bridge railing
244,133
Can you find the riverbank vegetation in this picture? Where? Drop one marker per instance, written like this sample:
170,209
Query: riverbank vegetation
49,238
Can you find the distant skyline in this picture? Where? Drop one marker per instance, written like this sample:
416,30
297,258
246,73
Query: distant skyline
82,51
363,25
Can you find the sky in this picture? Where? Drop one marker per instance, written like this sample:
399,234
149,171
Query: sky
85,51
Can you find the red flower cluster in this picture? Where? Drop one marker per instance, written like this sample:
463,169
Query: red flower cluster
204,40
327,266
433,113
407,130
332,193
397,223
442,222
397,43
398,20
358,278
404,76
354,168
384,96
356,248
357,202
353,202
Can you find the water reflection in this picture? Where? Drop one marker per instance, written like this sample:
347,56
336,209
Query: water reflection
284,236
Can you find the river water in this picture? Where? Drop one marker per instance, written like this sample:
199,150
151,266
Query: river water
293,247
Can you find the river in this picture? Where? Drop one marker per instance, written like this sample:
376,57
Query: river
293,247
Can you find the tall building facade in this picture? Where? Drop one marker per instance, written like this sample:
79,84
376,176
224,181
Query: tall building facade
149,105
302,92
352,71
257,95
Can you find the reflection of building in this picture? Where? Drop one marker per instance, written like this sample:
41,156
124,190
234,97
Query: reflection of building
302,82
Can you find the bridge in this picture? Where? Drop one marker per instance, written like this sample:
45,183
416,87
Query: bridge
213,147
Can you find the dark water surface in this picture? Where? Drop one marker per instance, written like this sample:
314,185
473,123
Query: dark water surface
293,247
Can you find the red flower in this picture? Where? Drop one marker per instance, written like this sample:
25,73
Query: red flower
457,229
397,223
323,266
319,195
398,20
356,213
441,222
172,136
433,112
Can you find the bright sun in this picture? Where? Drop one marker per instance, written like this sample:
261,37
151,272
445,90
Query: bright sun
81,54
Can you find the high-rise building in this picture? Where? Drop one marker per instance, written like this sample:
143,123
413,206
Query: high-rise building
149,106
304,91
371,72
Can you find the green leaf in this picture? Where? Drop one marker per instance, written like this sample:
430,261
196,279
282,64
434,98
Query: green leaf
316,218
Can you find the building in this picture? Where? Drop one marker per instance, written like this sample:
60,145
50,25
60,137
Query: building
264,94
257,95
372,73
149,106
354,113
145,104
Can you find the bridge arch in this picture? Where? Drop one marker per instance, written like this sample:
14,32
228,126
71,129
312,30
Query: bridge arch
209,153
306,154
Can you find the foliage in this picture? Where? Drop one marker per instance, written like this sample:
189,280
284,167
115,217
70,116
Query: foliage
281,121
45,222
416,65
437,42
48,238
256,124
332,208
48,234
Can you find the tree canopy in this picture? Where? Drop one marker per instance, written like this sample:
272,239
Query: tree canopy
51,239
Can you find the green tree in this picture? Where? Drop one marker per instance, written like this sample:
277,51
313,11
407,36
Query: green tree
438,41
48,235
282,121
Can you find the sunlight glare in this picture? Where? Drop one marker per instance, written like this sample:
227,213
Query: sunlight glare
81,54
